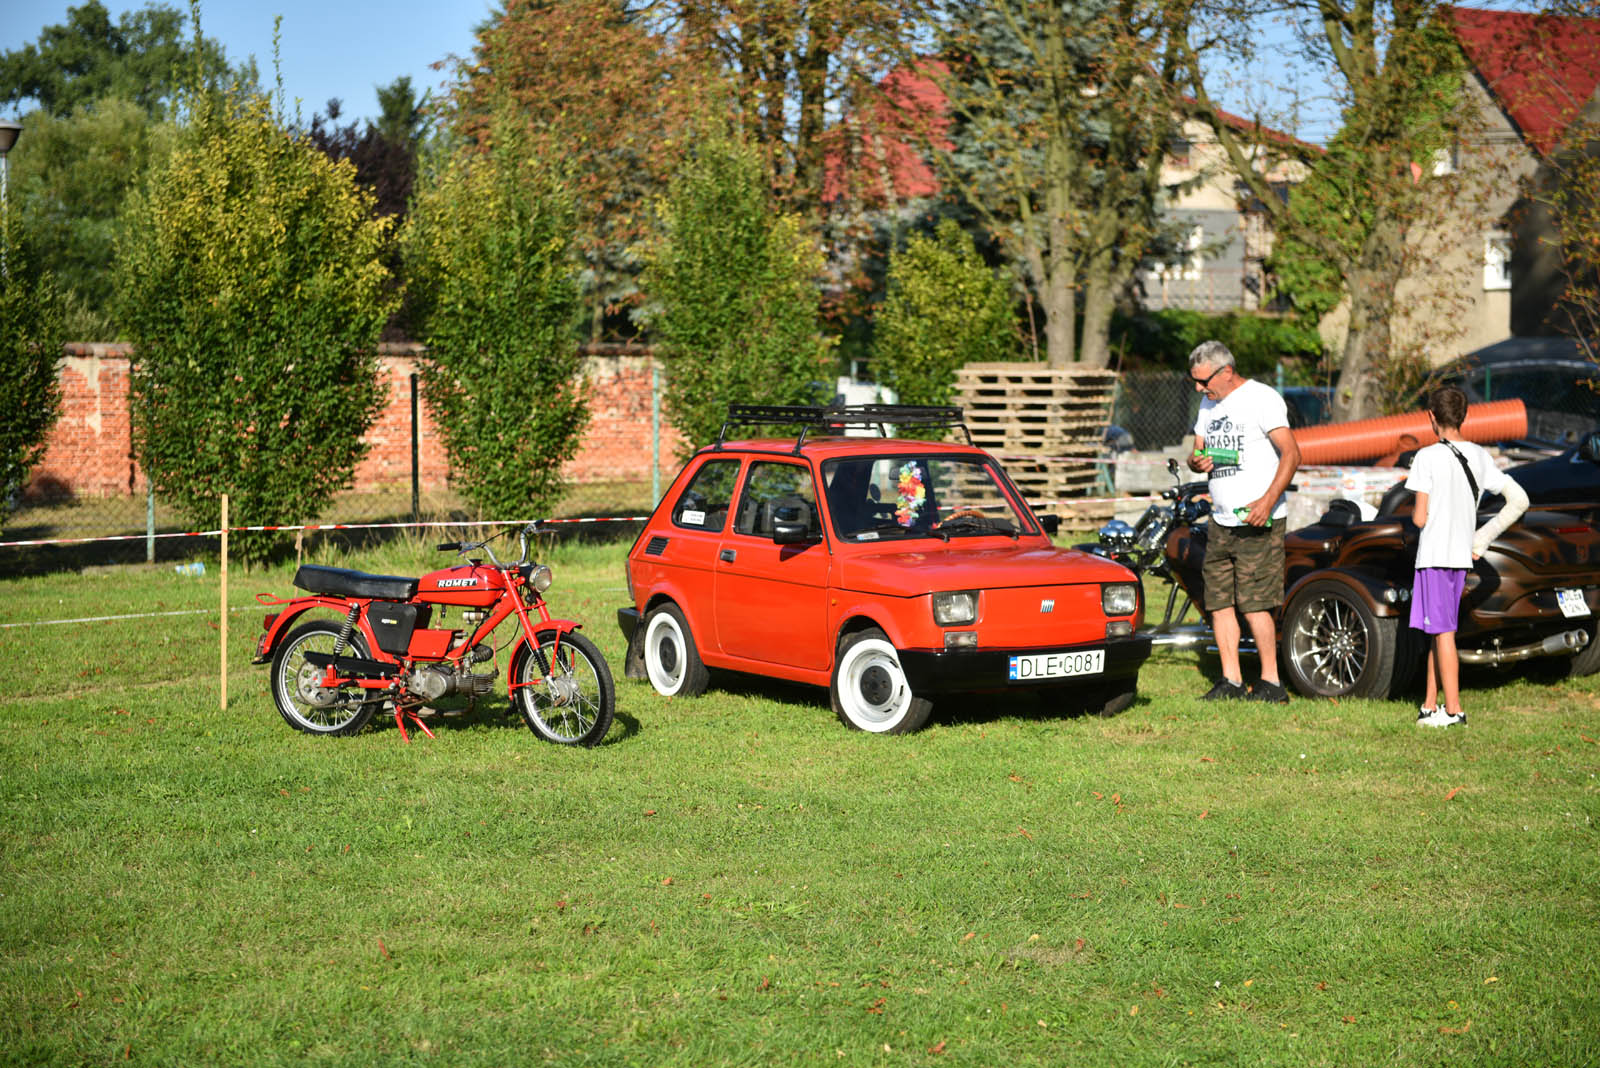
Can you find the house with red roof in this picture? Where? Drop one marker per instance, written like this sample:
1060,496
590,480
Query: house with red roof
1536,78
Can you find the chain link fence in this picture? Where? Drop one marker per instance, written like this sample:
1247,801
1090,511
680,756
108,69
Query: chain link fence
1155,409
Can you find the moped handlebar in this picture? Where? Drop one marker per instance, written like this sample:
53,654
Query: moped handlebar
523,535
448,546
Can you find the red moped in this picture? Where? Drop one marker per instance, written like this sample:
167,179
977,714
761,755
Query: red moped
393,648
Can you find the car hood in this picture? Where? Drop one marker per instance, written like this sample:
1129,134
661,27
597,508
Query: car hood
958,565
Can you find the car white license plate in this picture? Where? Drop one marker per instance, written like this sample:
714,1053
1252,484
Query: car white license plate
1057,665
1573,604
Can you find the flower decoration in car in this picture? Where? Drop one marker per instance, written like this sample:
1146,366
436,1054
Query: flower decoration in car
912,494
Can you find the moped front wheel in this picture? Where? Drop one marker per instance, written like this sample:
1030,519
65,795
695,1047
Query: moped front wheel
563,690
303,702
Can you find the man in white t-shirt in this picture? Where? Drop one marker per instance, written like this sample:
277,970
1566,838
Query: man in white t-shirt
1243,444
1447,478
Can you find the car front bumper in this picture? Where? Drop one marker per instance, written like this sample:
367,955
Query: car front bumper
954,671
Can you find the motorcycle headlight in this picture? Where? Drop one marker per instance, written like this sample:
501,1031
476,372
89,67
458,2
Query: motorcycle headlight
540,578
1119,598
955,608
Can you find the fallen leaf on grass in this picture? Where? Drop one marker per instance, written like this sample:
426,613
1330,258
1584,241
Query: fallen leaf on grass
937,1047
1491,979
1463,1029
649,812
1588,739
1207,760
667,881
876,1008
1022,832
1349,1019
383,949
969,936
765,983
1453,791
1133,1010
1204,814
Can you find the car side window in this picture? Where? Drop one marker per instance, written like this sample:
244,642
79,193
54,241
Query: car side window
705,500
776,491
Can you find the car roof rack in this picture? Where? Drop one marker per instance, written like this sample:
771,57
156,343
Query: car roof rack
840,416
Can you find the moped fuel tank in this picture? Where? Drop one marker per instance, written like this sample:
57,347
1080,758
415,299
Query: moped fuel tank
466,584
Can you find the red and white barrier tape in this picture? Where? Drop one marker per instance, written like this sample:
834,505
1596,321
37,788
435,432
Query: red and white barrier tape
319,526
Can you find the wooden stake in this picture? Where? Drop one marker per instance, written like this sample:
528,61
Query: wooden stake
224,704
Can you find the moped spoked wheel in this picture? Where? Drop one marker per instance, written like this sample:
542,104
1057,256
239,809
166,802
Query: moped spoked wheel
563,689
302,701
1334,646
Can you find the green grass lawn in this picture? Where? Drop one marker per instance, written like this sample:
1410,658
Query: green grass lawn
738,879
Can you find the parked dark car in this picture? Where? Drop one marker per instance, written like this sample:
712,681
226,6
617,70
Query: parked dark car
1552,376
1569,482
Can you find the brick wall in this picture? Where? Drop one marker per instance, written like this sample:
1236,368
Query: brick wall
90,450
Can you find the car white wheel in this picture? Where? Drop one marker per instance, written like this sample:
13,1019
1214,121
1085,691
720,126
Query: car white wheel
671,660
870,691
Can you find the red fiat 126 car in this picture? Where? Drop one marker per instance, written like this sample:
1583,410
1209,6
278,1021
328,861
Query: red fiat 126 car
889,570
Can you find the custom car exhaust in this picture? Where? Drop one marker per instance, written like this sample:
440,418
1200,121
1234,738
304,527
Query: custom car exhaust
1569,641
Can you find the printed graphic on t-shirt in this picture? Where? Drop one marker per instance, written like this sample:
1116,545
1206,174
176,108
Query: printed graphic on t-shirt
1222,434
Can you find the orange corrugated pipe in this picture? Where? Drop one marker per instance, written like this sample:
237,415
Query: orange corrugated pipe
1365,440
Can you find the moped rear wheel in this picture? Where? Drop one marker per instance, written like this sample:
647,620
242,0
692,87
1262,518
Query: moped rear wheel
563,689
302,701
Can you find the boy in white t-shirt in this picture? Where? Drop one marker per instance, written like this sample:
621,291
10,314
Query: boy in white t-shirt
1447,478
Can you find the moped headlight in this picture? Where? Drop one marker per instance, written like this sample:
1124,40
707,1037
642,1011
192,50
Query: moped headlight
540,578
955,608
1119,598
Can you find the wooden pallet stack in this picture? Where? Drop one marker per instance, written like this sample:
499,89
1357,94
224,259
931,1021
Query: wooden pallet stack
1036,415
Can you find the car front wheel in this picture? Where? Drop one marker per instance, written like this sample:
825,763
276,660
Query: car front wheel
870,691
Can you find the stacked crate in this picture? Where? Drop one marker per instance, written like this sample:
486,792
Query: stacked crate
1035,416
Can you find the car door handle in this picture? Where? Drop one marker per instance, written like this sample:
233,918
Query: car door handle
727,555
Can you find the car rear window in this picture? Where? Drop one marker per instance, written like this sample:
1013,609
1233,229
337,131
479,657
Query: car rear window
705,501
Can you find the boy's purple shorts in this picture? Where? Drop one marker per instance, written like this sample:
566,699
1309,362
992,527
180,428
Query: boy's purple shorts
1436,599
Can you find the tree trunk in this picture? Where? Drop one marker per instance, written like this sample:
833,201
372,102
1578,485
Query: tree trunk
1366,345
1099,300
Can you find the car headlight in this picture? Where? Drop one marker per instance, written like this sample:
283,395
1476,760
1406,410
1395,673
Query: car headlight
541,578
1119,598
955,608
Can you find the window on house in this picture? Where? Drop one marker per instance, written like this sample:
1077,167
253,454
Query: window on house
1497,260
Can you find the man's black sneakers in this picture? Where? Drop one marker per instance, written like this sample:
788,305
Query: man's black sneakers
1270,692
1226,691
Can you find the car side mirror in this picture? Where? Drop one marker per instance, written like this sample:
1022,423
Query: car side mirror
1050,523
1589,447
785,532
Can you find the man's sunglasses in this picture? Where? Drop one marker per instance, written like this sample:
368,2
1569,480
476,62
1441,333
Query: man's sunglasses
1206,381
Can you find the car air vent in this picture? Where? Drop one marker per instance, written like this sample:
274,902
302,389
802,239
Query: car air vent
657,546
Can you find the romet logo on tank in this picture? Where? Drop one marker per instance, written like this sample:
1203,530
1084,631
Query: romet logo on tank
446,584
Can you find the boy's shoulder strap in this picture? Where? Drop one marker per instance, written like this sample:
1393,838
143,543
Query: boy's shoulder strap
1466,469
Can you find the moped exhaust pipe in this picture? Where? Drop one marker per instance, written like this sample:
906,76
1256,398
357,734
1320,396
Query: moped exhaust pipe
1566,642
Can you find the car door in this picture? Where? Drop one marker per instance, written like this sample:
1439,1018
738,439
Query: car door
681,555
772,600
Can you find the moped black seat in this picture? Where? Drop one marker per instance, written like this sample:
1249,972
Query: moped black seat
343,582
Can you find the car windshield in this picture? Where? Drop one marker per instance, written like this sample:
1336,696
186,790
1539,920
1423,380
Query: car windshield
888,497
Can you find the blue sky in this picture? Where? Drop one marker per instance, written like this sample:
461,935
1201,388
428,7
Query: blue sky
332,48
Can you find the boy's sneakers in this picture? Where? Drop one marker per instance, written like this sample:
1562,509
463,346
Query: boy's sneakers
1226,691
1270,692
1423,712
1439,717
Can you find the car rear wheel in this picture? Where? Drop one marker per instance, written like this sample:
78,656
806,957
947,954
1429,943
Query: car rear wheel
1334,646
1587,660
870,691
671,660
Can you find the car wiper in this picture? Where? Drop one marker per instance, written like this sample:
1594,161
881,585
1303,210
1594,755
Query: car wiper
979,525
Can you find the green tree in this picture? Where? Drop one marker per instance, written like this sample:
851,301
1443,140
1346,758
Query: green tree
489,264
71,175
945,308
1060,117
251,283
30,347
736,283
591,85
1367,199
143,57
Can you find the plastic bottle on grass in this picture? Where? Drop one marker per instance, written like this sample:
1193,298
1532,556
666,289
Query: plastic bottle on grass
198,567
